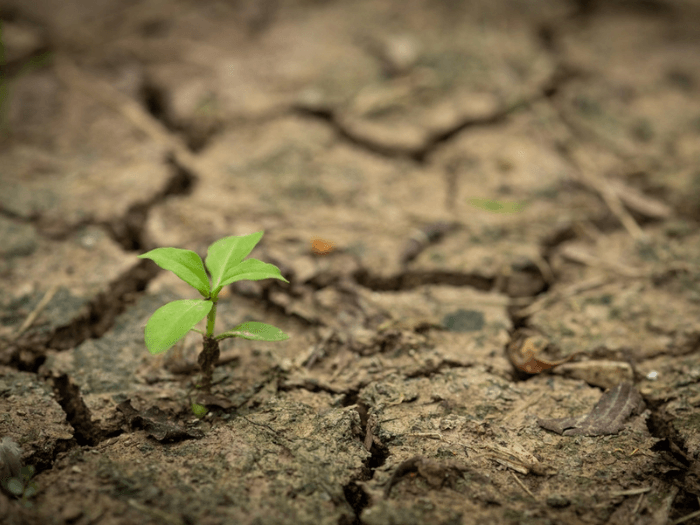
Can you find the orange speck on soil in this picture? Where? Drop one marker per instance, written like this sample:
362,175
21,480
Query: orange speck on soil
321,246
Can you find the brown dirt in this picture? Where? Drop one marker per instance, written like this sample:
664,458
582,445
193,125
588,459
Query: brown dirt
431,339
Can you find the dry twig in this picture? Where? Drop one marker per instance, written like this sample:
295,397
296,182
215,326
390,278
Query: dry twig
35,313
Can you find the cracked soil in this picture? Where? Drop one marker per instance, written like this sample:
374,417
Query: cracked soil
488,214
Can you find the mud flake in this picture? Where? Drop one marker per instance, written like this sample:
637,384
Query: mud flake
156,424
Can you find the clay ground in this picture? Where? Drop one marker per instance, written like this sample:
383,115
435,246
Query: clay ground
460,194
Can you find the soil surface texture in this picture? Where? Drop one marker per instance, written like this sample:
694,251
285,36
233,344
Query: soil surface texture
488,213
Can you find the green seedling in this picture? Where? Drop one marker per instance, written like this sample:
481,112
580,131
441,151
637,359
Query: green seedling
21,486
497,206
225,263
199,410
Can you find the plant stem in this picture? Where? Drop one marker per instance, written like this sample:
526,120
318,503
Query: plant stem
207,360
211,318
210,353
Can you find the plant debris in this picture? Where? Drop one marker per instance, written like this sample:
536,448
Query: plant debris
434,472
525,352
607,417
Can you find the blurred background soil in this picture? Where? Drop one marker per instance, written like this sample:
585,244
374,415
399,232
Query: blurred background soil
488,216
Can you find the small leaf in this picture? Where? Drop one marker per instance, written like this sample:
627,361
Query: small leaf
199,410
227,253
255,332
31,490
15,486
186,264
497,206
171,322
251,270
27,472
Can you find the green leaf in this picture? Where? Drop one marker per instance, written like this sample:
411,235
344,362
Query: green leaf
497,206
227,253
15,486
171,322
252,270
27,472
255,332
31,490
199,410
186,264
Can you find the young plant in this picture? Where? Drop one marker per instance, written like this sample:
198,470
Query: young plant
14,478
225,263
21,486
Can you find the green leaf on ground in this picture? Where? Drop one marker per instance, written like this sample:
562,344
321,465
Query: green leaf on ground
497,206
199,410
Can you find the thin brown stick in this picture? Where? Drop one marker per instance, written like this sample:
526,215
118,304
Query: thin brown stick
631,492
687,517
586,174
523,485
35,313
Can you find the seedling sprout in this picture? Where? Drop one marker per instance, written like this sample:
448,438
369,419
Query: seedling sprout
225,263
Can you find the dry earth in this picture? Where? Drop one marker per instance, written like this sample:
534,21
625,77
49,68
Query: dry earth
368,139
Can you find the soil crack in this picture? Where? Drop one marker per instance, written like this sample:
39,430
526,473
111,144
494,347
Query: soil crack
431,141
77,413
28,353
413,279
355,494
